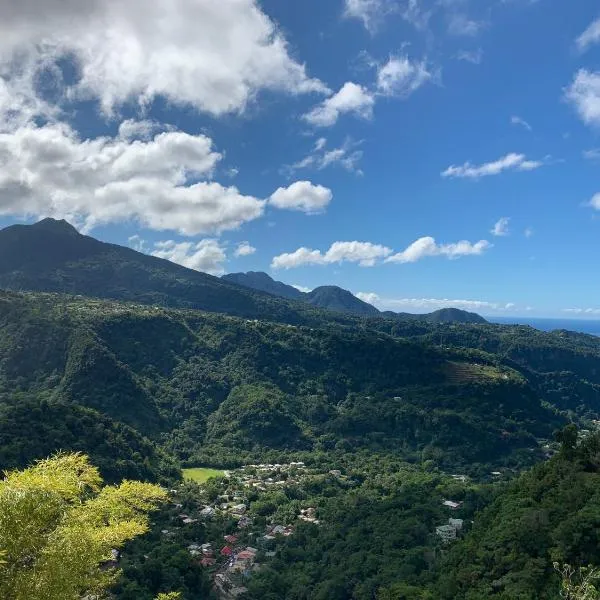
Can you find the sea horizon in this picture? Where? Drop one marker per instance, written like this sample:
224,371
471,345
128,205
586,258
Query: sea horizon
589,326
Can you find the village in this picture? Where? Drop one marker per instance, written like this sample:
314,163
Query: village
245,539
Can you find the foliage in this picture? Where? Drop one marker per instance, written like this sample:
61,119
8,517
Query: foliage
58,526
550,514
578,584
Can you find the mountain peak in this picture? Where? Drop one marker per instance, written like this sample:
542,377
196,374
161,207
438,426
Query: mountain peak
258,280
56,225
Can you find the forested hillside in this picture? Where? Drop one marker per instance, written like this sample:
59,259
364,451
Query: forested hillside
390,418
223,389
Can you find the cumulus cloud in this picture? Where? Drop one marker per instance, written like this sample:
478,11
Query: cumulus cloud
500,229
347,156
427,246
512,161
352,98
365,254
400,76
302,288
515,120
51,171
207,256
589,37
214,56
424,305
303,196
584,95
244,249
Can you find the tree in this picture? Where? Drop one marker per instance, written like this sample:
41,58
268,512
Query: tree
578,584
58,526
567,437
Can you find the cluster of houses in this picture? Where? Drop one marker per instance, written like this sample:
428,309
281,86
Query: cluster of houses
233,560
449,531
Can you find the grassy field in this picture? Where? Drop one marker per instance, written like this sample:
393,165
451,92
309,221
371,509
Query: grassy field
200,474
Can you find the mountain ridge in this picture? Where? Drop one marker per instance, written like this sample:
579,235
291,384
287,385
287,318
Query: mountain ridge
337,299
52,256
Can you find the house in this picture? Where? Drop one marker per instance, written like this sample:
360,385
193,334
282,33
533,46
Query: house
246,555
461,478
446,532
189,521
496,473
230,539
226,551
244,522
207,512
239,509
335,473
207,562
451,504
456,523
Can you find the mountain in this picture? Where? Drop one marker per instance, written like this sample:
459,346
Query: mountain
52,256
329,297
260,281
336,299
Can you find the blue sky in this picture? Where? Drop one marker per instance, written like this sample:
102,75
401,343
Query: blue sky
421,153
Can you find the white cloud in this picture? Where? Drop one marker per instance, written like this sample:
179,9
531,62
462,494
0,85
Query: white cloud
595,201
425,305
137,243
461,25
511,161
207,256
515,120
303,196
400,76
352,98
473,56
347,156
365,254
302,288
214,56
584,95
501,227
582,311
529,232
369,297
589,37
592,154
370,12
142,130
244,249
427,246
51,171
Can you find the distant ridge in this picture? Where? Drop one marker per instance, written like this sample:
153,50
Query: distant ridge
337,299
52,256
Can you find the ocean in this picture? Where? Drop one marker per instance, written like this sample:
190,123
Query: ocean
581,325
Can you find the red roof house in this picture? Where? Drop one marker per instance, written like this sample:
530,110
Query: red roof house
227,551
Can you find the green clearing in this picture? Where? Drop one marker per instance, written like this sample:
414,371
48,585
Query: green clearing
200,474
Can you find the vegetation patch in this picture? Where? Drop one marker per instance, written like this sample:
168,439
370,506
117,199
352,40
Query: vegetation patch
201,474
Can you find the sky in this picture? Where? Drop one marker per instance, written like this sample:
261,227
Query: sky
420,153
